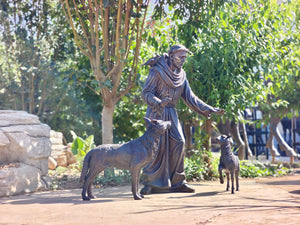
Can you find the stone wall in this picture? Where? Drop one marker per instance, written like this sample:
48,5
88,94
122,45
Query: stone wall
24,151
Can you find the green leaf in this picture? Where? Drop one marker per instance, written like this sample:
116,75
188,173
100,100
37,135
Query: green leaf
77,145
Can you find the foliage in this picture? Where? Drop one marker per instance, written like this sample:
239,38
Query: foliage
196,168
80,147
119,177
36,56
281,65
227,52
251,169
128,117
184,9
200,166
29,50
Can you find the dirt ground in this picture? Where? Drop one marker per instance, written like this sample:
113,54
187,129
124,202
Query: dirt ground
260,201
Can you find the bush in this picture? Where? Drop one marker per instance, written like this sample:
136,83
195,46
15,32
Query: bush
251,169
201,166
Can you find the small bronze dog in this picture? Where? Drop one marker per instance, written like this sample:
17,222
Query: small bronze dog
229,162
132,156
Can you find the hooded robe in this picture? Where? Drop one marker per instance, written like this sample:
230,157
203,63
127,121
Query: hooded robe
167,169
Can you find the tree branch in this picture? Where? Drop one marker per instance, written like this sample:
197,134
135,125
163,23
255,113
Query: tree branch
118,30
126,28
78,40
80,20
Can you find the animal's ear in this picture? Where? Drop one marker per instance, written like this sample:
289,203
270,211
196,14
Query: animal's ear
147,120
228,137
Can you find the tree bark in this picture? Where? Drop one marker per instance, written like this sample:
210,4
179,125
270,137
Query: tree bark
188,138
107,123
208,131
231,128
107,130
247,147
234,130
274,132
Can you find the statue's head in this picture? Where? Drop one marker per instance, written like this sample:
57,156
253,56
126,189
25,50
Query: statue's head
178,54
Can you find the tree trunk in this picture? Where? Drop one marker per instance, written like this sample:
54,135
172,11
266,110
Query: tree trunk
188,138
283,145
107,123
208,131
234,130
107,131
270,145
247,147
223,127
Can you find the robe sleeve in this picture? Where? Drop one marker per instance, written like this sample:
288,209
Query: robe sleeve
194,103
149,90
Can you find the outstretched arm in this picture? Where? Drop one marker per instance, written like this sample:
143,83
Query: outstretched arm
197,105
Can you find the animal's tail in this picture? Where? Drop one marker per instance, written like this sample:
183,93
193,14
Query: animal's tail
85,166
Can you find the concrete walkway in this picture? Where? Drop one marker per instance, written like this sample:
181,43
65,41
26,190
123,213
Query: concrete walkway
260,201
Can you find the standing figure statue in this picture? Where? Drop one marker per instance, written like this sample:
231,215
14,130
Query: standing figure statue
165,84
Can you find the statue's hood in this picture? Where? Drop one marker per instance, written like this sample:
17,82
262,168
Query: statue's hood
172,79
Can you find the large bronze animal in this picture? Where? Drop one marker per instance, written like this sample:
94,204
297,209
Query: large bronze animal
132,156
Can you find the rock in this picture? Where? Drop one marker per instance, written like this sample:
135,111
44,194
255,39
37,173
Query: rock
61,159
21,179
11,117
70,157
56,138
52,164
61,153
23,139
3,139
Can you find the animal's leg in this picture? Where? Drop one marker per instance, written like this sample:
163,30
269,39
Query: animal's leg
137,182
227,175
135,175
87,186
83,193
221,175
237,179
232,182
92,178
84,188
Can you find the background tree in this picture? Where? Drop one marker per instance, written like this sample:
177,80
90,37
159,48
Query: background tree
36,54
280,69
27,54
108,33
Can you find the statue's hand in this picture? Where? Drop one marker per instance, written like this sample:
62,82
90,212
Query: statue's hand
218,111
163,103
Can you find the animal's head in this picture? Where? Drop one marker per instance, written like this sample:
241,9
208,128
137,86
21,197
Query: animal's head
223,139
159,126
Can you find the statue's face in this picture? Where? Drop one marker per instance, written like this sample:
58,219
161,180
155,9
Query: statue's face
178,58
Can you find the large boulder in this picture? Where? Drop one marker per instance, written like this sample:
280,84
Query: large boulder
24,141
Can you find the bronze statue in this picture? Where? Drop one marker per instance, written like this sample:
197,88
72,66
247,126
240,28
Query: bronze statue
132,156
228,162
165,84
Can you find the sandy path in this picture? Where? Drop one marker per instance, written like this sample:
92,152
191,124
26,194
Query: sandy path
260,201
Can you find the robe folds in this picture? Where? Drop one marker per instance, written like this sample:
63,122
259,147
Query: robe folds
167,169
